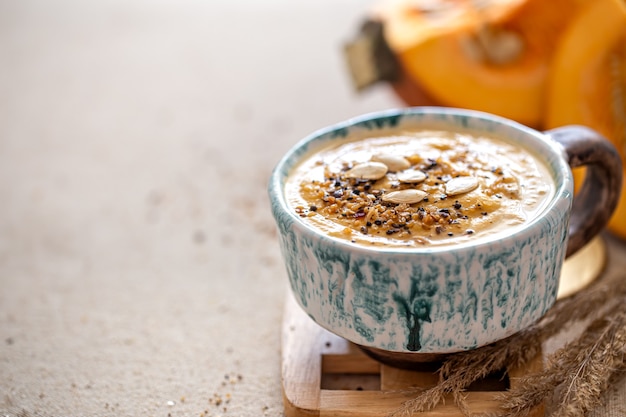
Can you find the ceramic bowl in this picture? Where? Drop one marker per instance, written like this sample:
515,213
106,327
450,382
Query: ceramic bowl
444,299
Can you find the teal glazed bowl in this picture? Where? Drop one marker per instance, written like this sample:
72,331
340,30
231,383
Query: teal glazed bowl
444,299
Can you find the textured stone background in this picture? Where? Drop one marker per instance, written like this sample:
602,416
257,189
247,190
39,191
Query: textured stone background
139,270
138,261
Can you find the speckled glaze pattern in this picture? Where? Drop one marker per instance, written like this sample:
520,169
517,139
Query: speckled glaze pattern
427,299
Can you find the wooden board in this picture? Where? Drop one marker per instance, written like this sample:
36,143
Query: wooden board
584,267
325,375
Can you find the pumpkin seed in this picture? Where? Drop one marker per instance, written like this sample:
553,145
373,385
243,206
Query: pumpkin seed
394,162
411,176
368,171
405,196
461,185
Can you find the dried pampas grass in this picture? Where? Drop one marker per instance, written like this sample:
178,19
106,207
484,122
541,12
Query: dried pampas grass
577,374
581,370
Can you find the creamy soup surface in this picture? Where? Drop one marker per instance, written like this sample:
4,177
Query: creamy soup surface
419,188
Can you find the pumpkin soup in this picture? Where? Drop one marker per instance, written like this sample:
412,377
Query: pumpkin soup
419,188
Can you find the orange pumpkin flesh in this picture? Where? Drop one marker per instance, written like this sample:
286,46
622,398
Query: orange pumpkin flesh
445,72
410,22
587,82
439,53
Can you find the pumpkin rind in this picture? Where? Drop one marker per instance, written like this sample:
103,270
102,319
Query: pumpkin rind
587,81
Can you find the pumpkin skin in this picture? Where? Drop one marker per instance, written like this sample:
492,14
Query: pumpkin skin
411,92
440,56
587,81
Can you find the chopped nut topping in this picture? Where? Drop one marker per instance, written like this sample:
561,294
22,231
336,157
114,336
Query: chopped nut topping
412,191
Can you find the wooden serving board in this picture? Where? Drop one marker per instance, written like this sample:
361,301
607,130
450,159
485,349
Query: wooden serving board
325,375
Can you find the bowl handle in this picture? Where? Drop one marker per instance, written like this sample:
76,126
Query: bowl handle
600,191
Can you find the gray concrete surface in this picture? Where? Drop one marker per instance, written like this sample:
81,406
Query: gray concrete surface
139,269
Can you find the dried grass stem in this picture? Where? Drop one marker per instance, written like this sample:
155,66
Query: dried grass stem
581,371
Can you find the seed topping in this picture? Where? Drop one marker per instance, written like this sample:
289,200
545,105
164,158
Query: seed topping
411,176
408,196
368,171
461,185
394,163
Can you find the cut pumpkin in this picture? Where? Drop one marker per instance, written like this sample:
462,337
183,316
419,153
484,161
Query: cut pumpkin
410,22
495,59
587,81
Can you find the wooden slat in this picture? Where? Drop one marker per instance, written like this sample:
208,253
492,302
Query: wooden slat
381,403
353,363
397,379
308,351
301,363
